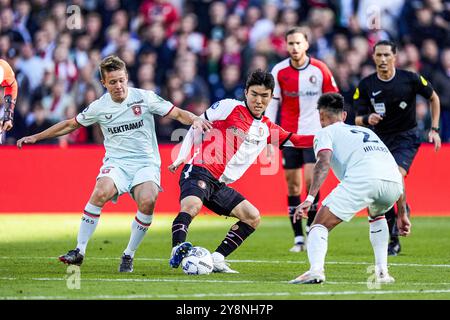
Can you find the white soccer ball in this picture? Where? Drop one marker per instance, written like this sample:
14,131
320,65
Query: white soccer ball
198,261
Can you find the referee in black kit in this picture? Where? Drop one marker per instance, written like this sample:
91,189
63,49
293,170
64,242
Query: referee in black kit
386,100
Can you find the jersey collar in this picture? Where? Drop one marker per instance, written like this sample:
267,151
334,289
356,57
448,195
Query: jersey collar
302,67
393,76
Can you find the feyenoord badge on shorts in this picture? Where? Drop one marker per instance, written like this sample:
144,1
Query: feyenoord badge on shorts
201,184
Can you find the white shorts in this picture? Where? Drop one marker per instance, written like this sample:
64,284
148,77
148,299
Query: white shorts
349,197
127,175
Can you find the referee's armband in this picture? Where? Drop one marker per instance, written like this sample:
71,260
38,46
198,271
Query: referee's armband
365,119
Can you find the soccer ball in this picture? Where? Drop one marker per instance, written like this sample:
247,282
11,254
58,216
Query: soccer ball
198,261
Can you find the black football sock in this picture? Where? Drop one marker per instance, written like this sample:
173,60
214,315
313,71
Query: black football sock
180,228
293,203
234,238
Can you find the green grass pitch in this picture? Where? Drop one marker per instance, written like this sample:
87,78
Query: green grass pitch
30,244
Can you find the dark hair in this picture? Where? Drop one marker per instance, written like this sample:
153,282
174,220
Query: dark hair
331,101
302,30
386,43
260,78
111,63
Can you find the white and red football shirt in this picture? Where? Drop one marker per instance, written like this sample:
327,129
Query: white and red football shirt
236,140
297,90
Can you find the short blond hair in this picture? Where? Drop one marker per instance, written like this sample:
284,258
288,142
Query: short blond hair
111,63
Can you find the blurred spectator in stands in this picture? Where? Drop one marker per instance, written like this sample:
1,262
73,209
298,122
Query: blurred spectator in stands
91,93
265,25
64,68
112,38
154,40
217,18
412,54
5,45
195,41
258,61
37,121
49,27
7,27
59,15
278,41
86,81
146,73
42,45
423,118
108,10
80,53
423,27
32,66
192,84
94,29
212,63
231,52
430,58
79,136
441,83
56,103
289,17
340,46
321,23
230,85
23,19
159,11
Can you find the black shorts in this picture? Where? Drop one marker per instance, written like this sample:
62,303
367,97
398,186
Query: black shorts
403,146
215,195
295,158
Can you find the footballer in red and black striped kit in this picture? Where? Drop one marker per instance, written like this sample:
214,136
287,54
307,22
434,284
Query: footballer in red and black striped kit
299,82
240,133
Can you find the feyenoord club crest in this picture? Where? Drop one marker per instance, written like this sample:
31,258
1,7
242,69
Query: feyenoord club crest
137,110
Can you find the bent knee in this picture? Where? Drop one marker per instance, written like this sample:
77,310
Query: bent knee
251,216
147,205
191,205
102,195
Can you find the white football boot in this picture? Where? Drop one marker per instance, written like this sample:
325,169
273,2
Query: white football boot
309,277
220,265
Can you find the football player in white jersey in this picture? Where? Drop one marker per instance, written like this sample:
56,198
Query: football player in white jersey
131,163
369,178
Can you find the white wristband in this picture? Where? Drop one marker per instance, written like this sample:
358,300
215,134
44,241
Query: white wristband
310,198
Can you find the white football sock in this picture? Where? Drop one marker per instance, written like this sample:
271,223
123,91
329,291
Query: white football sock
379,238
89,222
317,247
139,228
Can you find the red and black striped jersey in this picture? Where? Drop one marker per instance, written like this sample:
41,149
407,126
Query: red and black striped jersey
236,140
297,91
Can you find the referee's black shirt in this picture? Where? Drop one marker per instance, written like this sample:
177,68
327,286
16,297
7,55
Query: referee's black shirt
395,100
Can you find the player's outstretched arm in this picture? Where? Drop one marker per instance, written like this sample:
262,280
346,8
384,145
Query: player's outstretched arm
282,138
188,118
59,129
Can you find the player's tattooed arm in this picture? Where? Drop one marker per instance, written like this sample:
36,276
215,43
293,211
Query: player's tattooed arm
320,171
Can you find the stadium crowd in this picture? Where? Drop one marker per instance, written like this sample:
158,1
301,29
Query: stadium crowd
196,52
